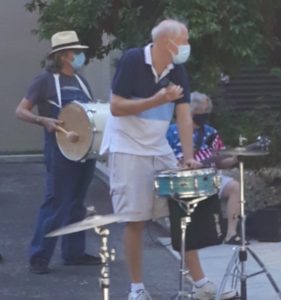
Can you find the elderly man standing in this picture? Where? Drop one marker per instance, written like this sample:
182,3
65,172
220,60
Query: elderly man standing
149,84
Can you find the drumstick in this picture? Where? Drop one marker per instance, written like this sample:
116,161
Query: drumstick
72,136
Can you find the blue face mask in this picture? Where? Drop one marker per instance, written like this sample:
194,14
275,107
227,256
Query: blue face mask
183,54
78,61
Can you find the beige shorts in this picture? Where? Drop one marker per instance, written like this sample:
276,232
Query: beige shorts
132,185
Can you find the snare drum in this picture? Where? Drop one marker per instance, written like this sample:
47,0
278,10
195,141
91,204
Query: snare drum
88,121
187,183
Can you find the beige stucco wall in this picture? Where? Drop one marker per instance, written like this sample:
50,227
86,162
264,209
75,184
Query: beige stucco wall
20,56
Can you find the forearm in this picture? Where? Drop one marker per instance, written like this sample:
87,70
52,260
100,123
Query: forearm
28,116
185,127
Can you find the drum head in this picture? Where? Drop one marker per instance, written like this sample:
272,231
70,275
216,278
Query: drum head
75,119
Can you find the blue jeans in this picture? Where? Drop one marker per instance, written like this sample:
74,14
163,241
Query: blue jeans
67,183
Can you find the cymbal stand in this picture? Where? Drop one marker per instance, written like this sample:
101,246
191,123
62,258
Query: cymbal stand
237,265
189,207
107,256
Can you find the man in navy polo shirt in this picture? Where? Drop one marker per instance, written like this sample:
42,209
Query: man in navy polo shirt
149,84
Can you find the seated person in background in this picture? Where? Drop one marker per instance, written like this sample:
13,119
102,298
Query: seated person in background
207,142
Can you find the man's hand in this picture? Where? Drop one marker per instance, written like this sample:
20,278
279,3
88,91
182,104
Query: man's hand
169,94
192,164
49,123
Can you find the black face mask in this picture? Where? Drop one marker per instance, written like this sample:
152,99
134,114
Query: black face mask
200,119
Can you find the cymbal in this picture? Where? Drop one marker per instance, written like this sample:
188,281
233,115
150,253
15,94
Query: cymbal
90,222
242,151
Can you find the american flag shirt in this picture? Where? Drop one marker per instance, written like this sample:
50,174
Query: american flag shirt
206,140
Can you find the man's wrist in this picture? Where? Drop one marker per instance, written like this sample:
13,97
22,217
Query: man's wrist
188,157
38,120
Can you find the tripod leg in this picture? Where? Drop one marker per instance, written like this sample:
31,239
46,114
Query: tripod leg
263,267
232,265
184,223
243,277
243,288
182,294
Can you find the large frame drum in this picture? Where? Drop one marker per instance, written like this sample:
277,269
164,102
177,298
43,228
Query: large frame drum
87,120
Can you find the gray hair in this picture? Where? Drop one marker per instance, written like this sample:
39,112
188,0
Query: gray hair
54,61
197,98
169,26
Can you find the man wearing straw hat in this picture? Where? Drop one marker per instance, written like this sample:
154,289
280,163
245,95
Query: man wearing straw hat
66,181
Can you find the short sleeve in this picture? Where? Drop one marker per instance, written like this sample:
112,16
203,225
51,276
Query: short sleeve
179,77
37,91
122,82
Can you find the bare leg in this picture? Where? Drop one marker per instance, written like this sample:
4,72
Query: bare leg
232,193
133,244
193,265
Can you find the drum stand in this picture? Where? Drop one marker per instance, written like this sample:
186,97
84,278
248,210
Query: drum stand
237,265
106,257
189,207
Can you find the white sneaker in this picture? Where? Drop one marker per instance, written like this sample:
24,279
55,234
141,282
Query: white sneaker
139,295
208,292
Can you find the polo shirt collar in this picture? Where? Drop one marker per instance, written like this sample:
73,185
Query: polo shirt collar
148,61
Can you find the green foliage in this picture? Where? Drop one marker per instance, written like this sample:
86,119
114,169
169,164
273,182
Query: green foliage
89,18
136,21
223,34
276,72
250,124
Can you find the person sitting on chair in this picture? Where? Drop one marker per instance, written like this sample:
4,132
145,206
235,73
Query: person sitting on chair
207,142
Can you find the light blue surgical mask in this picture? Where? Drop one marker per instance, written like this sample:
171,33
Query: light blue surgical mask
78,61
183,54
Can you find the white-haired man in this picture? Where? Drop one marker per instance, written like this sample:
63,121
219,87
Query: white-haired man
149,84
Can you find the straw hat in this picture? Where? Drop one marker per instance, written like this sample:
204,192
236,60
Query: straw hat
65,40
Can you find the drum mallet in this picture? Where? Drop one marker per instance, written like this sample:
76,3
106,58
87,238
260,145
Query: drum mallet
72,136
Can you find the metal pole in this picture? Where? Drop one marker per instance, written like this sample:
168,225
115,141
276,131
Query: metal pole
242,252
106,256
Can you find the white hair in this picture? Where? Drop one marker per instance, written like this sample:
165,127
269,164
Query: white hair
169,26
197,98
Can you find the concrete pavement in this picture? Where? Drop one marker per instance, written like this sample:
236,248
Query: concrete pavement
21,190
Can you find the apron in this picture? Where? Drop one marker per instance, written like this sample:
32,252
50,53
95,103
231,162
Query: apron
63,98
67,183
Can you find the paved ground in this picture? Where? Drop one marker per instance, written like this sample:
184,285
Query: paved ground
21,189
